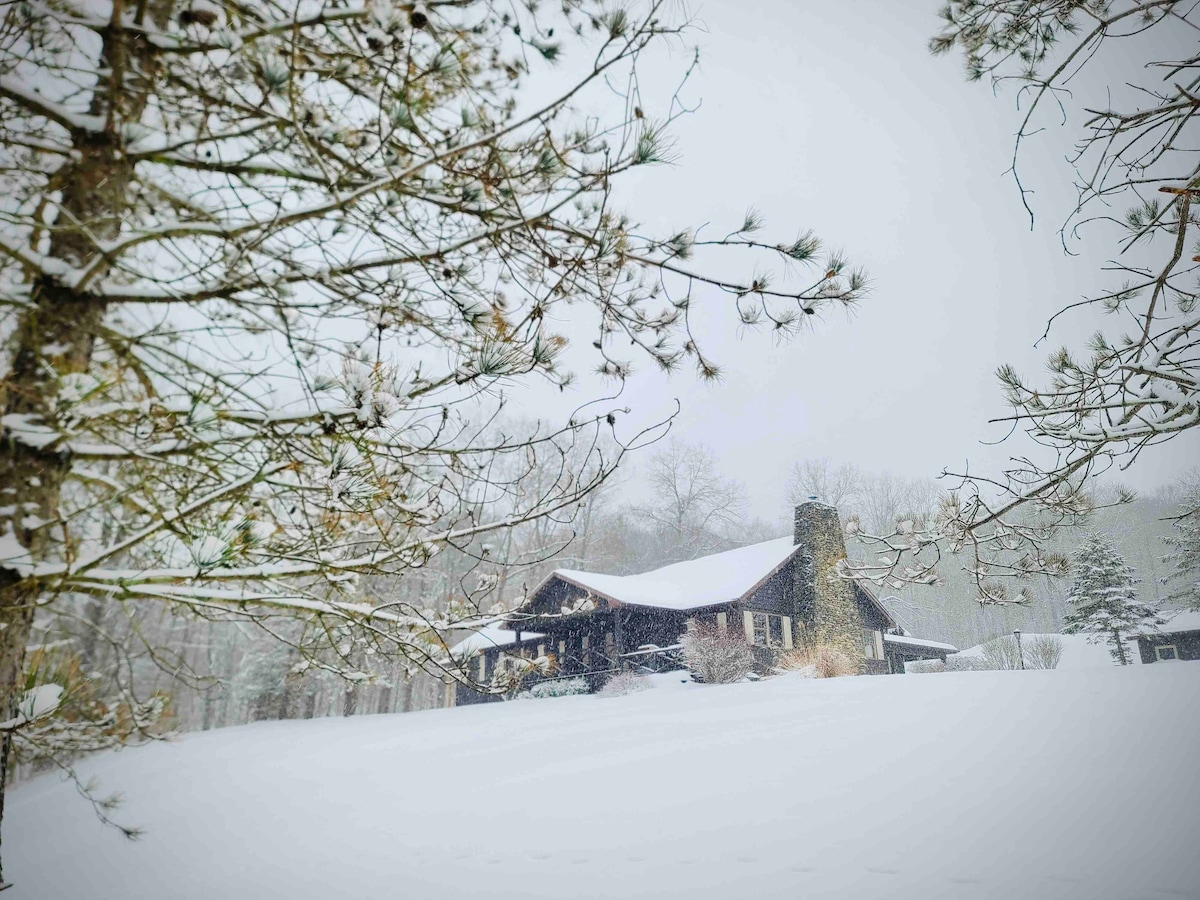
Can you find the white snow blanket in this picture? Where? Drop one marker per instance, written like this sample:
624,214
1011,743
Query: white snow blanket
1079,651
696,583
1063,784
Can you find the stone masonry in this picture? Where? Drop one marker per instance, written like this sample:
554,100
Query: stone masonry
826,604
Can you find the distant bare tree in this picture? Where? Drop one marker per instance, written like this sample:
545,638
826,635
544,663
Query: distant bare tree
885,499
876,500
838,486
692,503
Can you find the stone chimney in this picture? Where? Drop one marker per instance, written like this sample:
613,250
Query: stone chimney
825,603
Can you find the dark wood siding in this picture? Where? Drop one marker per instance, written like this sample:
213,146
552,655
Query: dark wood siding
776,594
1186,643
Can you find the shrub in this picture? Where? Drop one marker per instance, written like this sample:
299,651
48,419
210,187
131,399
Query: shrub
1002,652
966,664
926,666
625,682
1043,652
818,662
559,687
714,656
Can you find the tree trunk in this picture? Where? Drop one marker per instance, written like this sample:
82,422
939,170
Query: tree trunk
1119,645
55,336
383,702
31,477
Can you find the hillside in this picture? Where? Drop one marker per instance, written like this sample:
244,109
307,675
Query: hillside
1076,783
1078,652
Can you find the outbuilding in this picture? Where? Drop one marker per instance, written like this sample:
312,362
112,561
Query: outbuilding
1179,639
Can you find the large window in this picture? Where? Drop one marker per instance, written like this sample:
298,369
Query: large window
771,631
1166,651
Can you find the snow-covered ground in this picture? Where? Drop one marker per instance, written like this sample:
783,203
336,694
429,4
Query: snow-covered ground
1075,783
1078,652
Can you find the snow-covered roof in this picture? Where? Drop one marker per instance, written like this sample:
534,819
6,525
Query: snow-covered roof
1176,623
907,641
488,637
708,581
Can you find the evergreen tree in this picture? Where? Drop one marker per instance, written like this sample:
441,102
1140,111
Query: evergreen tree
1103,601
1184,559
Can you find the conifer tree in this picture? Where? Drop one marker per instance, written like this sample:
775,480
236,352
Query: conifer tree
1184,557
1103,602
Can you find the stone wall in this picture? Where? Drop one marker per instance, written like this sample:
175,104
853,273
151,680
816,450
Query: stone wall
825,603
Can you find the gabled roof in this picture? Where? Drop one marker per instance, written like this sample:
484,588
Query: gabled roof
1177,623
713,580
707,581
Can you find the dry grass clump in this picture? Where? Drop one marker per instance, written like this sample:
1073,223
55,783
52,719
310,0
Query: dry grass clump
817,662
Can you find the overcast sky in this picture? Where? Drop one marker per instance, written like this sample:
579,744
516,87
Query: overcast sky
833,116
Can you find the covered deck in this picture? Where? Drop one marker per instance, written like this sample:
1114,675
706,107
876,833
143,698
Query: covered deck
901,648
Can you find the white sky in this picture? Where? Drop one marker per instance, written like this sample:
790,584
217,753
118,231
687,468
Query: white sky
833,116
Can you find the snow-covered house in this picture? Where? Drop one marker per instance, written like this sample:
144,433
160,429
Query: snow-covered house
1178,639
779,594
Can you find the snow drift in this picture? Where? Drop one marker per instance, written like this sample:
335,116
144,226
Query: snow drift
1079,652
1065,784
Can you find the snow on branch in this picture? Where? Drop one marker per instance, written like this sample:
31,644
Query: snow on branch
1133,386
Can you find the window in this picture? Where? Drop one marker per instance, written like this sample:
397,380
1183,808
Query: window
1166,651
541,651
769,630
482,667
722,622
870,650
761,631
587,653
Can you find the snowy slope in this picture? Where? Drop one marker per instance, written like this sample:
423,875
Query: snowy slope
1078,652
1063,784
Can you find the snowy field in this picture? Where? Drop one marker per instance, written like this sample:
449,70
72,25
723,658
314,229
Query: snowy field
1078,651
1063,784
